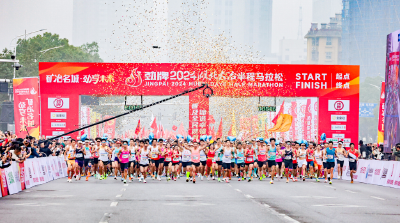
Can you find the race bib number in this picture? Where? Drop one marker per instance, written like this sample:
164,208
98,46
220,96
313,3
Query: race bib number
103,155
240,158
310,157
227,156
186,156
288,157
330,157
168,159
176,159
271,153
195,157
249,159
79,155
143,158
125,156
352,160
278,156
154,156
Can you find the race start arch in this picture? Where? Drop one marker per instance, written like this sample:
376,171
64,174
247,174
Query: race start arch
336,86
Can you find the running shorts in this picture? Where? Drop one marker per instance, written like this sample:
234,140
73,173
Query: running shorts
289,164
294,165
95,160
330,165
301,163
87,161
240,165
70,162
261,163
324,165
161,160
248,164
271,163
232,165
203,163
353,165
341,163
79,162
105,163
310,164
116,159
196,164
279,164
185,164
144,165
133,163
156,162
226,166
166,163
219,163
209,162
124,166
176,164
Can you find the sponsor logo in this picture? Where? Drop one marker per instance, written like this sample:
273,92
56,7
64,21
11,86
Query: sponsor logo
58,115
22,91
58,125
348,172
339,136
134,80
363,169
58,103
384,173
377,171
33,91
355,177
339,118
338,105
389,181
370,172
338,127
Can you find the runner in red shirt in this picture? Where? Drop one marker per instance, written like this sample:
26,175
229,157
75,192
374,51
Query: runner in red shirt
310,159
249,159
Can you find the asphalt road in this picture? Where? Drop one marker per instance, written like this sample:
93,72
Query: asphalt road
161,201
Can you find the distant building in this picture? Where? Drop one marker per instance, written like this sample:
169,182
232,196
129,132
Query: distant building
324,44
365,26
292,51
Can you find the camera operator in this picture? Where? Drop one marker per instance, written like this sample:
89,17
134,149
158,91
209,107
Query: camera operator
396,152
31,150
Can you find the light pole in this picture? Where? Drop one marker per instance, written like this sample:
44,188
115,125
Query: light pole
15,46
44,51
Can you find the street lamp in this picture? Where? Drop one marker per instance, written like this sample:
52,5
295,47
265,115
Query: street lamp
44,51
15,46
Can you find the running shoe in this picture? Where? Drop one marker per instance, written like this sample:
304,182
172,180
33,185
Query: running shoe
263,176
179,176
144,181
326,181
101,177
249,179
227,180
159,178
125,181
243,178
201,177
208,178
122,179
87,178
213,177
330,182
169,178
219,179
194,181
287,181
130,180
293,180
304,179
68,179
260,178
351,181
187,179
271,182
140,179
317,179
191,179
239,179
115,178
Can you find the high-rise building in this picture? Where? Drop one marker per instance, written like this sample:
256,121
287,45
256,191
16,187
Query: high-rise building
324,44
324,9
365,27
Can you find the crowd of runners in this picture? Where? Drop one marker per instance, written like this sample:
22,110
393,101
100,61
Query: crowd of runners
219,160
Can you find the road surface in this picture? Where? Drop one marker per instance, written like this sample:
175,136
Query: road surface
161,201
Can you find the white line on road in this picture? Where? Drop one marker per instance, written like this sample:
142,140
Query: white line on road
330,186
338,205
281,215
249,196
113,204
119,195
105,218
126,185
351,191
238,190
378,198
123,189
184,195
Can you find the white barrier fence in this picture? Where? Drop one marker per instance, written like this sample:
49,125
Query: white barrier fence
383,173
30,173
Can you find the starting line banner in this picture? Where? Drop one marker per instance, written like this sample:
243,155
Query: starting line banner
383,173
30,173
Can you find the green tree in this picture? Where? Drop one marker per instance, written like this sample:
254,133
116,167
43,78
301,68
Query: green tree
33,50
370,91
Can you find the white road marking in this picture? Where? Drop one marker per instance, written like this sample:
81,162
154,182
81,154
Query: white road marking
126,185
314,197
105,218
238,190
119,195
229,185
113,204
330,186
184,195
123,189
351,191
192,204
38,205
378,198
280,215
249,196
338,205
27,191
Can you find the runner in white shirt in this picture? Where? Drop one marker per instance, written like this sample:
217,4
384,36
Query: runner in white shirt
143,153
132,159
341,152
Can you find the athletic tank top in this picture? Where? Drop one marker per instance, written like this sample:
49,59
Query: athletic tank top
79,153
168,155
227,155
288,154
211,155
133,153
70,153
262,154
162,150
88,154
115,152
95,152
103,154
186,155
318,156
330,155
310,156
294,158
302,154
352,156
250,156
144,159
278,154
340,154
154,150
219,157
240,156
203,156
175,158
195,155
124,156
272,153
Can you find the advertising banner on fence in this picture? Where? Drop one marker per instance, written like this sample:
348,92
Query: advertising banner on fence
109,127
26,106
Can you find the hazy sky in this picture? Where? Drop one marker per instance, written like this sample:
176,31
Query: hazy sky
56,17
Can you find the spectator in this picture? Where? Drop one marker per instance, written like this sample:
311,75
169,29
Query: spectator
44,148
376,153
396,152
363,150
30,149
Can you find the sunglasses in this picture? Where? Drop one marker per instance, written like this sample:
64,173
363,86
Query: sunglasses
125,143
97,141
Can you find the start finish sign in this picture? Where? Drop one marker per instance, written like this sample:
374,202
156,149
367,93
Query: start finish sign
328,82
